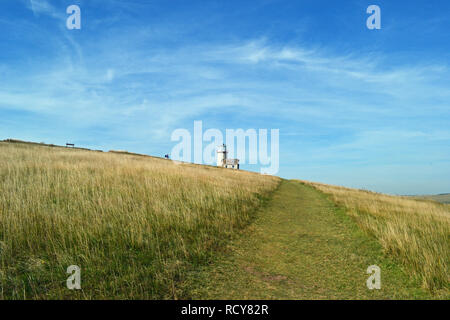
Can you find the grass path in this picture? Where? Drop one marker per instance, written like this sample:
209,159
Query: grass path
301,246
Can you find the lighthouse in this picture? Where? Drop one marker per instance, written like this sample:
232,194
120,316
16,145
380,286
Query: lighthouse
221,155
223,161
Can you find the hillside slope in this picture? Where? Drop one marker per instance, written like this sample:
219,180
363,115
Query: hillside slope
415,232
132,224
147,228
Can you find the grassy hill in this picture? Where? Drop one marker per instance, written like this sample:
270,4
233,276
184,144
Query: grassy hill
148,228
415,232
133,224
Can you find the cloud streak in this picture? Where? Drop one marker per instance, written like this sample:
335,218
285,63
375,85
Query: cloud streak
43,7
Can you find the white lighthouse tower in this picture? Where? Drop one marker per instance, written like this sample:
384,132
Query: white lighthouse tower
222,155
223,161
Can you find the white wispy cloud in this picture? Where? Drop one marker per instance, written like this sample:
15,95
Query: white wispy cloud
192,79
44,7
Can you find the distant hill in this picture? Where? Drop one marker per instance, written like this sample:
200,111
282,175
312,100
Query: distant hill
442,197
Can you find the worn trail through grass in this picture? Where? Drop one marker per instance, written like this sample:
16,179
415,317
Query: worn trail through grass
301,246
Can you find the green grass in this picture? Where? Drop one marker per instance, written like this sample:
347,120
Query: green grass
415,233
301,246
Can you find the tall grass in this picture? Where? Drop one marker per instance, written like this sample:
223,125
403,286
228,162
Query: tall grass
416,232
134,225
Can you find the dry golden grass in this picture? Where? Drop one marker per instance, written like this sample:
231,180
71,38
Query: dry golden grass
416,232
133,224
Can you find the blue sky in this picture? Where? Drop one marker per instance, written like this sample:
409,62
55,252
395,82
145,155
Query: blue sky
355,107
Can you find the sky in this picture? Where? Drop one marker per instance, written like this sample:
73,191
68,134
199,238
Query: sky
356,107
